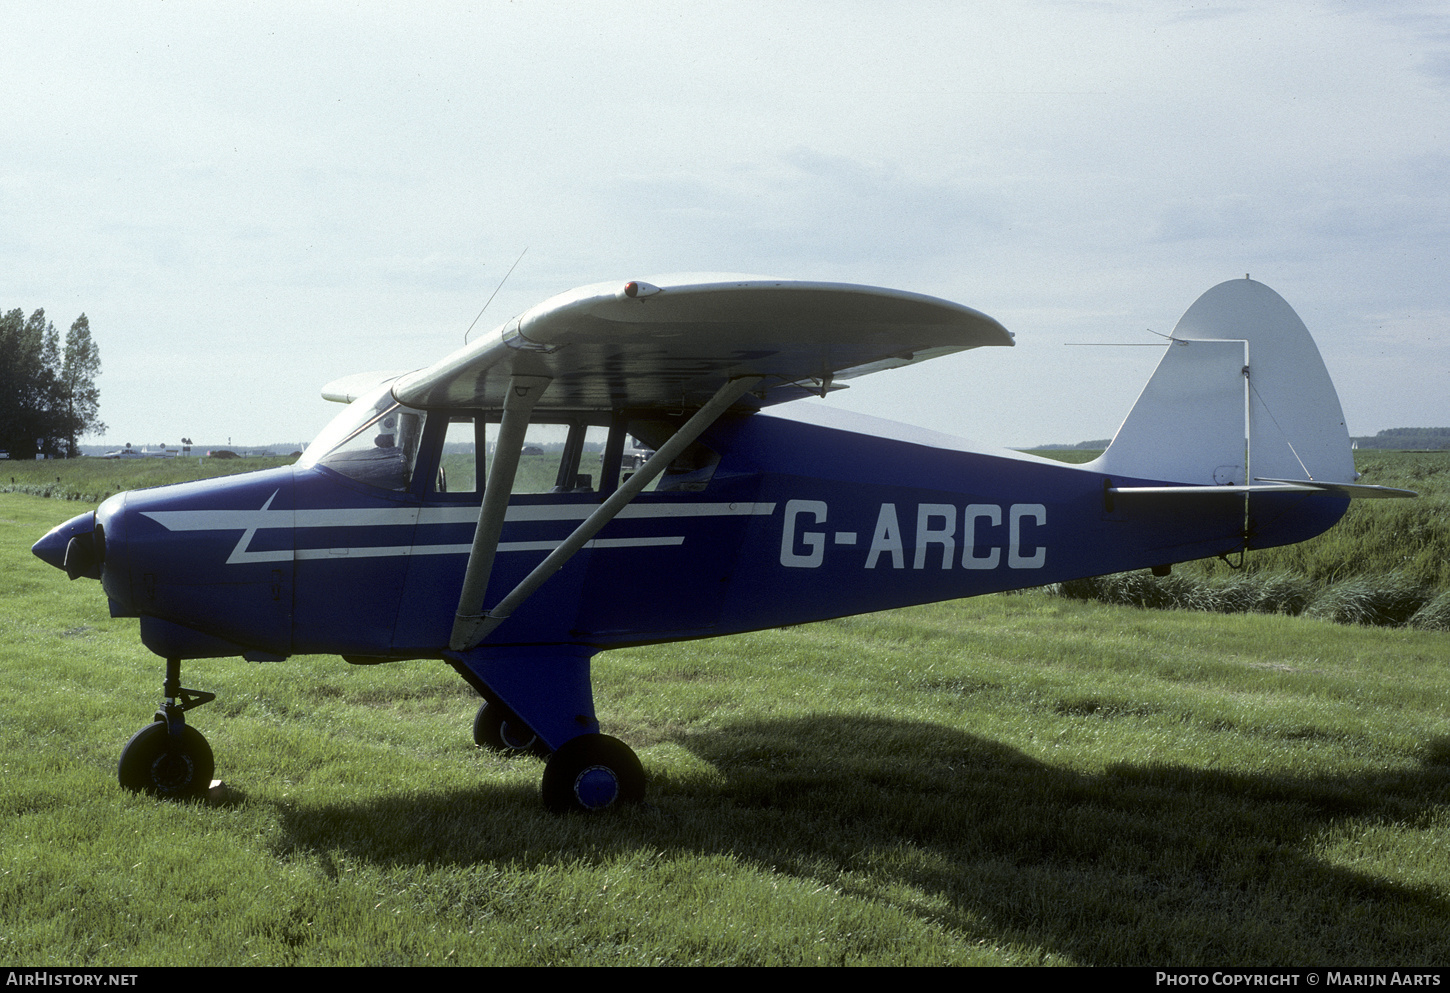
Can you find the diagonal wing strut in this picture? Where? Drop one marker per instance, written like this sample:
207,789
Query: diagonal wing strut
523,393
469,628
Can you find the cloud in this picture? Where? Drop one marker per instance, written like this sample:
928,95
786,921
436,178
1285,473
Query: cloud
343,186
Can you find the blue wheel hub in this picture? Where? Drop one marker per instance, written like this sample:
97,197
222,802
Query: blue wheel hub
596,787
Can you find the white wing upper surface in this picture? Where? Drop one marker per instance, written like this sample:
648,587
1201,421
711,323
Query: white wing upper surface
643,345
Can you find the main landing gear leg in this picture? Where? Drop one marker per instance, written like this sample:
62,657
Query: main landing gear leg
168,758
542,694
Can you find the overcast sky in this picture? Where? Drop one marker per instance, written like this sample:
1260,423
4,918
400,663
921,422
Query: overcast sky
249,200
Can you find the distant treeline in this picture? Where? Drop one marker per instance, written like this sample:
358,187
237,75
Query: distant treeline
1412,439
259,451
1097,445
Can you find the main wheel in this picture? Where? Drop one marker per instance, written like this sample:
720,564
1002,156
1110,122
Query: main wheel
592,772
498,729
152,763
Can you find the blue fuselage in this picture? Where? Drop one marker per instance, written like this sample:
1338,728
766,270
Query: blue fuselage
799,522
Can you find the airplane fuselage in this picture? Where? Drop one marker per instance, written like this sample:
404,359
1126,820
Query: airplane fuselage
800,521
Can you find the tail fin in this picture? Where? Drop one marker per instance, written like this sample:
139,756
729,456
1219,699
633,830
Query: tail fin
1241,394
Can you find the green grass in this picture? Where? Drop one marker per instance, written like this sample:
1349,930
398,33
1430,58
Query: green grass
91,480
1386,562
1016,779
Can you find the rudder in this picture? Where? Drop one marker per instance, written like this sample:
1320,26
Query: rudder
1241,394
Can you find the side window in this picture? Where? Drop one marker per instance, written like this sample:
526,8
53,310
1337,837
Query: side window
468,450
459,468
572,457
580,470
539,462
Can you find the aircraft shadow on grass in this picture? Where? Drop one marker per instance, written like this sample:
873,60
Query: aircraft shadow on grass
1128,866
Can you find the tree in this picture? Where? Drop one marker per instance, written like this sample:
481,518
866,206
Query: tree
46,401
12,347
26,383
79,397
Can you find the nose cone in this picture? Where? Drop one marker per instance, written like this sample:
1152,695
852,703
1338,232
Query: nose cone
74,546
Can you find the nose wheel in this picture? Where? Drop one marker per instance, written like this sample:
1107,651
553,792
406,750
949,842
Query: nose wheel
152,762
169,758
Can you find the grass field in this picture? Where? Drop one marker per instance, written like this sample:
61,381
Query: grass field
91,480
1386,562
1015,779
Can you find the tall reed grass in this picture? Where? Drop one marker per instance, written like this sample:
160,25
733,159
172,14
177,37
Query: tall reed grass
1387,562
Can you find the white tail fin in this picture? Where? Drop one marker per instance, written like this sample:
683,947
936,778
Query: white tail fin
1241,394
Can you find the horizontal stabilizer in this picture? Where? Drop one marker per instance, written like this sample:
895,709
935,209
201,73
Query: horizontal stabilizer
1352,490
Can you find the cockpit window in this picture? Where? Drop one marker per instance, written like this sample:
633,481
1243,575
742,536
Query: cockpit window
374,441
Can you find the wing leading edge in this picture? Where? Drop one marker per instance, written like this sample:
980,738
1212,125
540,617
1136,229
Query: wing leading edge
641,345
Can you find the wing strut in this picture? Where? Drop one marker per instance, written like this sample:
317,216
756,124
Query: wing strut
470,629
523,393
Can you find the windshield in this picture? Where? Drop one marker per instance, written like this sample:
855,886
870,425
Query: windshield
374,441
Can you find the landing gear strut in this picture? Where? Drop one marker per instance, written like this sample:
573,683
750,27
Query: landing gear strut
168,758
550,702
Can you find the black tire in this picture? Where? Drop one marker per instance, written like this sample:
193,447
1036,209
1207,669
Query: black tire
591,773
150,763
498,729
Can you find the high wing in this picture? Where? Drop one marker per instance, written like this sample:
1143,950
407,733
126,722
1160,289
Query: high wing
641,345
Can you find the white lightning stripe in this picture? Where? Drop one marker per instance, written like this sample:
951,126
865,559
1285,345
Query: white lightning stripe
233,520
504,546
249,522
578,512
240,554
358,517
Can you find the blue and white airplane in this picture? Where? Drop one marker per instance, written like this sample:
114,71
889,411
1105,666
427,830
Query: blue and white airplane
381,544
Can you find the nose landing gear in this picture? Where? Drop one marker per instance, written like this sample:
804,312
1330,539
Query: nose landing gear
168,758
